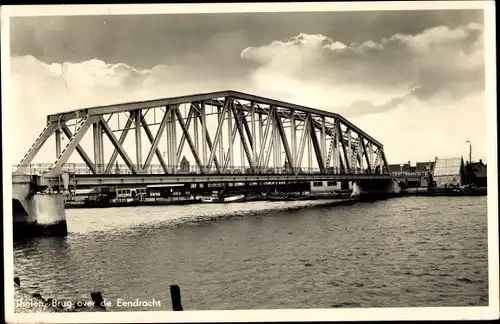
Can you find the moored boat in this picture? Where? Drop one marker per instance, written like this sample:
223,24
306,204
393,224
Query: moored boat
219,200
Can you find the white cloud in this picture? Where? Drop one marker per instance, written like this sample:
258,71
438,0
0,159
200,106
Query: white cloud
421,95
369,83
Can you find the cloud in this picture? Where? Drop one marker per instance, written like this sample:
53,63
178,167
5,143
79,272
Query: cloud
420,87
445,63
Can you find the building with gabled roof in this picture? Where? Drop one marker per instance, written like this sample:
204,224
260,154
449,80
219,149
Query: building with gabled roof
449,172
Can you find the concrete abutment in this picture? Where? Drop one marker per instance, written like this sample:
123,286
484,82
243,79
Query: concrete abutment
375,189
37,214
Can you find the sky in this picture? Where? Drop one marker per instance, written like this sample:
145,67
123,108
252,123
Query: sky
413,80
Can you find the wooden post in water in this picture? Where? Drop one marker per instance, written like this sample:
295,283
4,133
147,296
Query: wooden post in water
17,281
37,295
97,299
175,295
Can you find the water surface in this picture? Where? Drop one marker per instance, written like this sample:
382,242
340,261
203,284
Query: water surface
402,252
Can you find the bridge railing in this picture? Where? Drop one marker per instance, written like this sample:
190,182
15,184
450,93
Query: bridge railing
408,174
83,169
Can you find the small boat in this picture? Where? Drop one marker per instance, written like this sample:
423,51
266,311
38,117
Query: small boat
230,199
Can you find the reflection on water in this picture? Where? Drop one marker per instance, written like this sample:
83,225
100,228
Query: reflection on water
405,252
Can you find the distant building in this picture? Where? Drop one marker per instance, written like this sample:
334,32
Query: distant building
449,172
477,173
400,167
424,166
184,165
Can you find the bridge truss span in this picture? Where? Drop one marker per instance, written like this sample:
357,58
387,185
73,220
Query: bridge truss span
222,133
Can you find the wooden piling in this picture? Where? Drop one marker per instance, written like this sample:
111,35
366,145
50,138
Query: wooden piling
97,299
37,295
17,281
175,295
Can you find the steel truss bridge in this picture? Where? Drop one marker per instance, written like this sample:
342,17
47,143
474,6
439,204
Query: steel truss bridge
255,127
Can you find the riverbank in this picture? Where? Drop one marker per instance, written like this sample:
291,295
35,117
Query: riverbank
449,192
167,202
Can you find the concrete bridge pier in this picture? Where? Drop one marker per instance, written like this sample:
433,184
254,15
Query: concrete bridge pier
375,189
36,213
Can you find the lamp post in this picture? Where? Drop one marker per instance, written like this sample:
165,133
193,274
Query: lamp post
470,151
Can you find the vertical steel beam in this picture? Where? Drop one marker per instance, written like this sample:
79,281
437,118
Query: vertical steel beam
277,142
293,135
138,143
101,150
323,139
168,136
254,135
336,148
220,145
173,129
194,117
349,148
261,129
97,149
204,142
58,142
230,136
310,130
138,138
242,155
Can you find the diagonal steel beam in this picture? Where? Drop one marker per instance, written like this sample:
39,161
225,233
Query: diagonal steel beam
49,129
303,138
218,133
188,137
151,140
157,138
268,155
365,152
344,149
79,149
117,145
242,134
245,122
284,140
263,142
183,137
317,148
229,151
385,161
121,141
56,168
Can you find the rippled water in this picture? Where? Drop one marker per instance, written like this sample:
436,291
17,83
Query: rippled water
404,252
